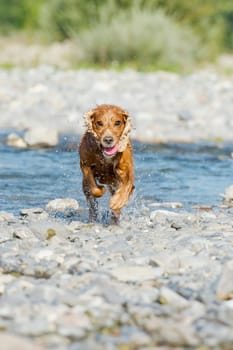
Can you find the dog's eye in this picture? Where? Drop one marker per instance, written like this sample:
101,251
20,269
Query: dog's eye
99,123
117,123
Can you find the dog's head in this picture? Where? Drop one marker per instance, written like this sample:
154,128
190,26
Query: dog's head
111,127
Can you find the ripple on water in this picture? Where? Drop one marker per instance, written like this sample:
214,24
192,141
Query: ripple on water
193,174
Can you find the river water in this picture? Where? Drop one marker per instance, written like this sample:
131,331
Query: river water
193,174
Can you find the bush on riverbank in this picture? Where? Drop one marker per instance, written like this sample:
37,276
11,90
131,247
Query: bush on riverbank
154,33
140,38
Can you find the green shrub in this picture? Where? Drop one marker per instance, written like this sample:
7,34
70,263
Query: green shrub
59,19
11,15
18,15
141,36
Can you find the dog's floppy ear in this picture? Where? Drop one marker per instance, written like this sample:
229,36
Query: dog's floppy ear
88,118
124,139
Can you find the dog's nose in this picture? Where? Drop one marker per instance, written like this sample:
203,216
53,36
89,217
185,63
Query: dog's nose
108,140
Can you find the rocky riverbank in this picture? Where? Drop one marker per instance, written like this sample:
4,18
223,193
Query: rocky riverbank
165,106
160,280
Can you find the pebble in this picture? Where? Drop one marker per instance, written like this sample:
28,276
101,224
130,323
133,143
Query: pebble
161,279
15,140
62,205
11,342
135,273
57,99
228,195
168,296
171,205
69,285
7,217
225,284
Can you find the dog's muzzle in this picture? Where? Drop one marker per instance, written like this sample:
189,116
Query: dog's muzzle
110,151
109,148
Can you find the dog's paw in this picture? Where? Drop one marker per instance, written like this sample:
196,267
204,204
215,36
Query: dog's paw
115,216
98,191
117,202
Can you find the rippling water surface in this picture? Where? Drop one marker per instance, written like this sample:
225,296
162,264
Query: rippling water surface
192,174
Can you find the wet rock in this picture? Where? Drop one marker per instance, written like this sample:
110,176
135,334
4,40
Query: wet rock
15,140
162,217
228,195
65,205
47,229
22,232
33,214
75,226
225,284
171,205
30,211
41,137
7,217
5,233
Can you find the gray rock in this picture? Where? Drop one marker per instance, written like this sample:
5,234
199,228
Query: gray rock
225,284
15,140
171,205
33,327
215,334
168,296
4,281
7,217
11,342
22,232
138,274
33,215
48,97
49,229
171,331
5,233
163,217
74,325
62,205
31,211
158,280
228,195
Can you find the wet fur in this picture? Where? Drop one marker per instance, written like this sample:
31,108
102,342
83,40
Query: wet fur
98,169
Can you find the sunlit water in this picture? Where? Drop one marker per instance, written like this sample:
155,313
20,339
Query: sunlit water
193,174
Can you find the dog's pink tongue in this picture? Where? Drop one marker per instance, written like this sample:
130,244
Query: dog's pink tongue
111,150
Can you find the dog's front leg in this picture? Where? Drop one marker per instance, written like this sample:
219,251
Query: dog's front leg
91,191
121,195
95,190
91,201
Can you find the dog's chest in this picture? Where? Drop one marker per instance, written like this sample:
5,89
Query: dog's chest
104,170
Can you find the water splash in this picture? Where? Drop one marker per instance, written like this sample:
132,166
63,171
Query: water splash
192,174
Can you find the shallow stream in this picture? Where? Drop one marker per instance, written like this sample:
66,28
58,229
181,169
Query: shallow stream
193,174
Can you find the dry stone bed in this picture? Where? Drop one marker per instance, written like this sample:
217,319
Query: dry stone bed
159,280
165,107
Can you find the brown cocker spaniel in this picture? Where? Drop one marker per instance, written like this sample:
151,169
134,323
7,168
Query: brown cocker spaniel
106,158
